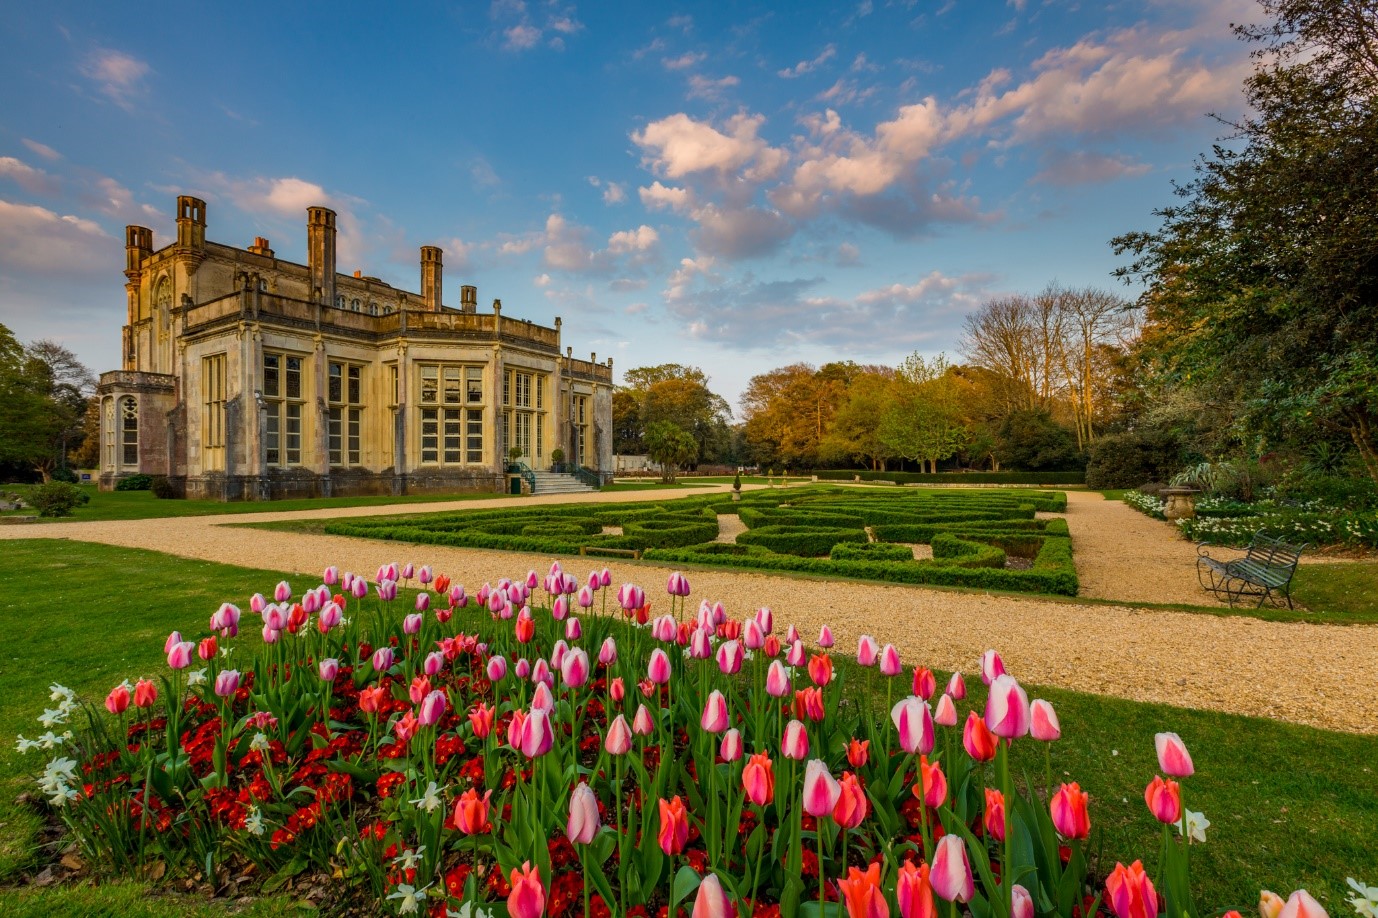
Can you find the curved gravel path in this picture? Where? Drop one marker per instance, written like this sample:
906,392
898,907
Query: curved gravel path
1192,660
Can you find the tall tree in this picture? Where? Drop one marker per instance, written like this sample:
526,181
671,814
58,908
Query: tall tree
41,403
789,411
671,447
677,394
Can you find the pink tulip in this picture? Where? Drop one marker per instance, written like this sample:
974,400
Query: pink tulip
821,790
605,578
311,602
542,699
328,669
1302,905
424,574
1007,709
766,619
851,807
1173,757
630,596
730,750
282,592
658,670
594,581
557,653
642,724
1022,905
719,614
1043,725
275,617
227,683
945,714
678,585
117,702
330,617
434,663
753,636
701,644
951,871
777,680
172,641
540,672
585,597
957,687
423,602
383,659
1069,811
408,571
914,722
1130,893
432,708
665,629
712,900
1164,800
496,669
617,689
607,654
179,657
560,609
792,635
992,667
387,590
523,668
796,656
457,597
730,657
795,743
412,623
271,634
359,589
619,738
825,637
574,669
573,630
890,661
714,718
257,603
527,899
331,575
537,734
420,687
515,728
866,651
583,816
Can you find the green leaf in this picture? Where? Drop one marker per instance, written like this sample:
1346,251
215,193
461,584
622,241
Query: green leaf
293,867
686,881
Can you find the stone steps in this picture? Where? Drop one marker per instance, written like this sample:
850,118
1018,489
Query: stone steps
559,483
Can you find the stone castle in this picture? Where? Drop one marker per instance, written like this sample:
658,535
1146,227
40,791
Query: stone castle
246,377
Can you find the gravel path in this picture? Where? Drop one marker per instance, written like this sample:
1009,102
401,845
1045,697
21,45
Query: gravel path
1177,658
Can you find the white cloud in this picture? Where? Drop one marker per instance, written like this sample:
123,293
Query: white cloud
118,75
566,247
684,22
803,67
32,180
614,193
541,280
684,61
642,239
678,145
665,197
521,37
36,239
739,232
702,87
457,253
42,149
566,25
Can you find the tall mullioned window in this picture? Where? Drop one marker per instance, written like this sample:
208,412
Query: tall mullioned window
129,431
452,401
282,393
580,416
213,410
344,383
523,418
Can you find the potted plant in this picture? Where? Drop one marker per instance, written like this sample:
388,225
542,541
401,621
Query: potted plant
557,459
737,486
514,455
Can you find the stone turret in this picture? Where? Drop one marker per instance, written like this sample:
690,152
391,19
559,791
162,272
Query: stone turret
191,222
320,252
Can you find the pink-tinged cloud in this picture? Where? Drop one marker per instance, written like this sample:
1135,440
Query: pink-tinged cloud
684,61
641,239
42,150
803,67
702,87
678,146
118,75
665,197
1085,167
38,240
521,37
32,180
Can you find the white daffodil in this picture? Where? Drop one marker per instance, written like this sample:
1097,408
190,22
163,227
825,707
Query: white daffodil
63,767
253,822
430,800
61,693
196,677
53,717
259,743
411,898
24,745
408,859
50,740
1366,902
61,796
1195,826
226,651
470,910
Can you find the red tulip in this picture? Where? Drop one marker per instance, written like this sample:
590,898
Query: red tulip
977,739
858,752
851,807
117,702
862,895
481,719
674,826
932,786
915,892
471,812
1070,816
994,819
524,627
145,693
1164,799
1173,757
925,684
206,649
808,703
1130,893
821,669
758,779
528,895
772,646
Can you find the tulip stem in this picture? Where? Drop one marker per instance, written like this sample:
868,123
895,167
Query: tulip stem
818,835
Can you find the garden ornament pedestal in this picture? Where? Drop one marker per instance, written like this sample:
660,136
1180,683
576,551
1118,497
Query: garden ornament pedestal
1181,503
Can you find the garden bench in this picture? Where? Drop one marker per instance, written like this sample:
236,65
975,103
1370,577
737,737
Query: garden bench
1264,571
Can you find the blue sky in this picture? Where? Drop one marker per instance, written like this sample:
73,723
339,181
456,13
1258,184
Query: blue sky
733,186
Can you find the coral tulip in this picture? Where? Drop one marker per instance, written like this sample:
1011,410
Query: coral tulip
617,689
471,812
674,826
1130,893
658,670
945,714
481,719
821,790
758,779
712,900
730,750
714,718
619,737
206,649
858,752
915,892
932,786
957,687
117,702
866,650
821,669
977,739
527,899
862,895
145,693
1069,811
851,807
404,728
1007,709
432,708
1164,800
795,743
771,648
777,680
1270,904
994,818
1043,724
583,816
328,669
371,699
420,687
951,871
1173,757
808,703
992,667
524,628
925,684
1021,905
914,721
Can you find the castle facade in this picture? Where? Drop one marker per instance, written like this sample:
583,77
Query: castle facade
246,377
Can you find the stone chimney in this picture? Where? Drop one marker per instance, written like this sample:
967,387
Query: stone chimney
432,277
468,299
191,222
320,252
261,247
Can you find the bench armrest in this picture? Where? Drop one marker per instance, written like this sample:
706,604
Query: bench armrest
1201,551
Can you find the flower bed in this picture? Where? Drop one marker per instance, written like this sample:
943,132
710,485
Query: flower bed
1231,522
552,747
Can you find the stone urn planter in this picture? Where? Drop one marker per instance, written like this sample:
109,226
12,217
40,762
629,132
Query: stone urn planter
1180,503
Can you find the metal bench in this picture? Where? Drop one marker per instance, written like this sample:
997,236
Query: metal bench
1264,571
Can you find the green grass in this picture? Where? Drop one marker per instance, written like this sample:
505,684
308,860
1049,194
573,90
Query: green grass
1115,493
1345,588
1290,806
681,485
142,505
128,899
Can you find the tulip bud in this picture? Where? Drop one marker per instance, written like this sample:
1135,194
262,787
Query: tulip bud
712,901
795,743
951,871
1270,904
179,657
328,669
991,666
957,687
1173,757
821,790
432,708
932,786
1043,725
730,657
674,826
619,738
977,739
890,661
271,634
914,722
383,659
537,734
206,649
172,641
331,576
1007,708
481,719
1164,800
257,603
714,718
527,899
542,699
924,683
758,780
523,668
851,807
825,637
858,752
994,817
117,702
730,750
145,693
766,619
617,689
752,635
574,668
434,663
658,671
642,724
945,714
496,669
1129,892
700,644
583,816
1022,905
282,592
227,683
866,651
777,680
1069,811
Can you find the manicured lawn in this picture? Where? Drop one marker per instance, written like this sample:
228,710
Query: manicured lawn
651,485
1289,806
1115,493
140,505
1348,588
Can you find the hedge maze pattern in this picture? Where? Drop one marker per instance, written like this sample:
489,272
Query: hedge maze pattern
847,532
